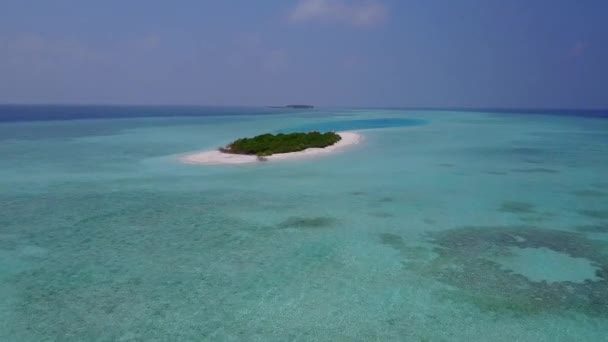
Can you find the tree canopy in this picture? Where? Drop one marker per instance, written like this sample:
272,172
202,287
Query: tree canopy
268,144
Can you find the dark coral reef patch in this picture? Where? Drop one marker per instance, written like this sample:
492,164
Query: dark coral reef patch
515,207
590,193
308,222
381,214
497,173
465,262
536,170
392,240
595,214
593,228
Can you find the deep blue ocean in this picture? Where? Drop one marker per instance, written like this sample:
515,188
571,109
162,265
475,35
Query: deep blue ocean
441,225
17,113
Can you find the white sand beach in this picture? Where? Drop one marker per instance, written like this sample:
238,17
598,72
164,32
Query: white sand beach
216,157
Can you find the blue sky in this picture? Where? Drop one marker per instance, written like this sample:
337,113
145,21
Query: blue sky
420,53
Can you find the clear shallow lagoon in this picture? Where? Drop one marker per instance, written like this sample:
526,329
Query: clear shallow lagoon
469,227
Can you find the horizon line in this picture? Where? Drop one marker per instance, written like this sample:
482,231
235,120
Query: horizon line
273,106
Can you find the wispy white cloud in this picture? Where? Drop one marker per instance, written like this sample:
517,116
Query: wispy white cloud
362,13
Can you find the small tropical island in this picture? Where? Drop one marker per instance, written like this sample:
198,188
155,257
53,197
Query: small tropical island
269,144
295,106
300,106
275,147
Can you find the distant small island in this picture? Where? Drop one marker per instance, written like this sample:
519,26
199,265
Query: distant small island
269,144
295,106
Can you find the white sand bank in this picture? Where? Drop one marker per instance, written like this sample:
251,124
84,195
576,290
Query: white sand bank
216,157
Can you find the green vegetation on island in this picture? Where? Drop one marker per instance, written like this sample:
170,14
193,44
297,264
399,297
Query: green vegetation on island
268,144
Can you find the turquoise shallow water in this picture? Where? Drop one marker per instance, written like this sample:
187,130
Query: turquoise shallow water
464,227
353,125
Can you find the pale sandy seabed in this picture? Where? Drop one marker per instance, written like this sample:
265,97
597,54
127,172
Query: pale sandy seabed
468,226
215,157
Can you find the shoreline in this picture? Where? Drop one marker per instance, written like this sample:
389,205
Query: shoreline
215,157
